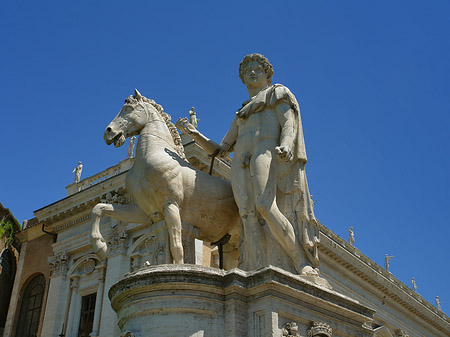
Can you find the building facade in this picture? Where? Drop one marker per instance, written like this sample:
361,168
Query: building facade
61,287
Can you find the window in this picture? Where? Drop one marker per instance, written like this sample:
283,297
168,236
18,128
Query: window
30,308
87,315
5,263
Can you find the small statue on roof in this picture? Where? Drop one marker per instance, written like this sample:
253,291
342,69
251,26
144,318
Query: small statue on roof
193,117
77,170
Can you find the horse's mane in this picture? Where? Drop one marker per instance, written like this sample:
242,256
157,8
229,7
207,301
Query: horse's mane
166,118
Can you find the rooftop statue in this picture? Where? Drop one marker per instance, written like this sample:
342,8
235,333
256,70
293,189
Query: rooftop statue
387,260
131,147
268,173
351,237
193,117
438,304
413,281
77,170
165,186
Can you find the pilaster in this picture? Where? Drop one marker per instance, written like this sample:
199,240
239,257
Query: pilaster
58,299
117,267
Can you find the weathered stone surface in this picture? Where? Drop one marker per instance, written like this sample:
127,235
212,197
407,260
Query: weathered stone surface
190,300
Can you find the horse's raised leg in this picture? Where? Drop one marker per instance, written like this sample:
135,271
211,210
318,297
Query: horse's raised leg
126,213
173,222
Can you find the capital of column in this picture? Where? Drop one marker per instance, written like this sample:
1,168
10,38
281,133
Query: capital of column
74,282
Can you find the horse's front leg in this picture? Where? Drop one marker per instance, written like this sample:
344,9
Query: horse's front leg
173,222
125,213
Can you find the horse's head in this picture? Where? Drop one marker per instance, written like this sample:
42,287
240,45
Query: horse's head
137,112
134,115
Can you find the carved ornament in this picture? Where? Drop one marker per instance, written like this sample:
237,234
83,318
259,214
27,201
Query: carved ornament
319,329
118,243
58,263
113,198
290,329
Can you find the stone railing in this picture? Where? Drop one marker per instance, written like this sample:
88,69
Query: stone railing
110,172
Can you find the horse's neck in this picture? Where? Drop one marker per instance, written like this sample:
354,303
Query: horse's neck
155,135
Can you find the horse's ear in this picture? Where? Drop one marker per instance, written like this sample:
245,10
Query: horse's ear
137,95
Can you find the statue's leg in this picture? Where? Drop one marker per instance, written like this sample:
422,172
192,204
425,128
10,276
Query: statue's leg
252,252
125,213
173,222
263,172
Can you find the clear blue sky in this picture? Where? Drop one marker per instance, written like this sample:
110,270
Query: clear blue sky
371,78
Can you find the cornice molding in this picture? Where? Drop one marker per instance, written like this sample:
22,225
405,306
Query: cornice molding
351,259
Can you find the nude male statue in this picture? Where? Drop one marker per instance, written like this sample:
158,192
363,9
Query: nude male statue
77,170
267,173
131,147
193,117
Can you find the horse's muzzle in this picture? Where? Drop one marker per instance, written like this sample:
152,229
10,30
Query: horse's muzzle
113,136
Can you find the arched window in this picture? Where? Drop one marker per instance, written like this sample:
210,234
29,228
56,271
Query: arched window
7,270
6,262
30,308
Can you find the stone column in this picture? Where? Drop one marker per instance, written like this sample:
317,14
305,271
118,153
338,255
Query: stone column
118,265
13,303
98,304
73,301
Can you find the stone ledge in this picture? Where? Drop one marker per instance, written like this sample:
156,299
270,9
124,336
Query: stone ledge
192,300
235,278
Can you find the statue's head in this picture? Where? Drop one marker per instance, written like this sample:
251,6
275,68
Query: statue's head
261,59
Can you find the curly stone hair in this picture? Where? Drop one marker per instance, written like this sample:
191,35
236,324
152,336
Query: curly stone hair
261,59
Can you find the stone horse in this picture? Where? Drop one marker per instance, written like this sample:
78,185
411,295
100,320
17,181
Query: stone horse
165,186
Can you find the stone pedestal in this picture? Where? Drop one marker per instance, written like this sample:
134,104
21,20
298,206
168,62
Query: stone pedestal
191,300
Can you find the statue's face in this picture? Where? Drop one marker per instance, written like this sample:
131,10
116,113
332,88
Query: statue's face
254,75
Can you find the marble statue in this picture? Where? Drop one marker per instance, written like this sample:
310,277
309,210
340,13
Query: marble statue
438,304
193,117
131,147
77,170
387,259
413,281
268,172
164,186
351,238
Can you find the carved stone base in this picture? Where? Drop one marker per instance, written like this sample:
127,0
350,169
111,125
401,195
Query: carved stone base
191,300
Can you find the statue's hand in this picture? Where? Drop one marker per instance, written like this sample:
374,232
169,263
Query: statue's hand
284,152
184,126
241,114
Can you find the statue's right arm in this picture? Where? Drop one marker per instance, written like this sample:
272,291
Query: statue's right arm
207,144
228,141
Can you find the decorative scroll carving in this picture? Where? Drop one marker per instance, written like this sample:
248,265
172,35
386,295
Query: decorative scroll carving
319,329
58,263
402,333
290,329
